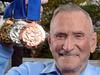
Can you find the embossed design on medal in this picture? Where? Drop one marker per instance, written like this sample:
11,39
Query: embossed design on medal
32,35
14,31
4,31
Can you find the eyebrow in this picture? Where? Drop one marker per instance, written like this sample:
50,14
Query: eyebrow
60,33
78,32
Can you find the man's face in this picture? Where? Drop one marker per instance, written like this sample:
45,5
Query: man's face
71,40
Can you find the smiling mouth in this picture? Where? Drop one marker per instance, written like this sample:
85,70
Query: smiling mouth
68,54
63,53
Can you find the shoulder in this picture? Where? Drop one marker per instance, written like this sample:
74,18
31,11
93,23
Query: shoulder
27,68
36,66
95,69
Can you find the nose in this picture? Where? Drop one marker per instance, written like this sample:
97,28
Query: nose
68,44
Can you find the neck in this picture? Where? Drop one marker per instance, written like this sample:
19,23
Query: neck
71,74
76,71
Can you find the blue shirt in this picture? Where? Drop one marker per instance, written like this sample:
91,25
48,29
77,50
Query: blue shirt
5,55
36,68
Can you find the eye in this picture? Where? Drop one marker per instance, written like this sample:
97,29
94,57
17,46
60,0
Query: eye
79,36
60,36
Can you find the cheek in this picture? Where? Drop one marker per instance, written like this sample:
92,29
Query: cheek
84,49
85,45
55,46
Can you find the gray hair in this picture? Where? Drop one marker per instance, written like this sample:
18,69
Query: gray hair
69,8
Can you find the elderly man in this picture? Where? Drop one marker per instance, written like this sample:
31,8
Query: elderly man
71,41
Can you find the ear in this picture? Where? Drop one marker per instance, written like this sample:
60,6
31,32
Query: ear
93,42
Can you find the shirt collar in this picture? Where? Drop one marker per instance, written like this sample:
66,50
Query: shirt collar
50,68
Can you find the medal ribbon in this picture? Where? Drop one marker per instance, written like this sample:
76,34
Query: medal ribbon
17,10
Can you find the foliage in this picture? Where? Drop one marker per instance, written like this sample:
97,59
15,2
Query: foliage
94,12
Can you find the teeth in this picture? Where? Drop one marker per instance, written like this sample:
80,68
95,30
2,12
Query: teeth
63,53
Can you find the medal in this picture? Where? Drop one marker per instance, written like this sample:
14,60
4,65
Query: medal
4,31
14,30
32,35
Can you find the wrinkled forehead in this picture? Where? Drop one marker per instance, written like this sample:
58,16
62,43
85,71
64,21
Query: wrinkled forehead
75,20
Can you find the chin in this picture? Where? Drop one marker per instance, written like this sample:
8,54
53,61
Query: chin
68,65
